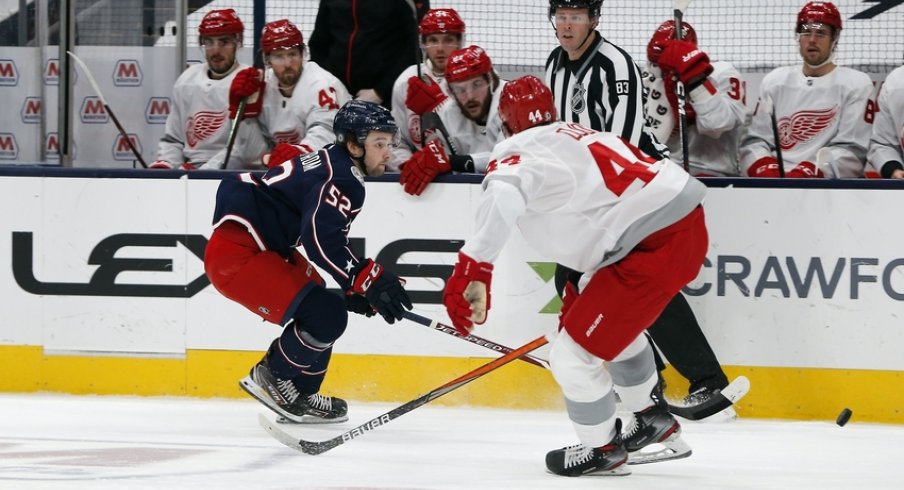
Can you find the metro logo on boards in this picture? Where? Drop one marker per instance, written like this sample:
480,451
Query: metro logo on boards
127,73
52,146
52,72
121,150
93,111
9,149
158,110
9,74
31,110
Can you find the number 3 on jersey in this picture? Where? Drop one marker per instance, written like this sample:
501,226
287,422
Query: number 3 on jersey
607,159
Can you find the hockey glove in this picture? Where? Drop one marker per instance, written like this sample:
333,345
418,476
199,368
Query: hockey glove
423,96
283,152
383,290
805,170
467,293
356,303
689,62
164,165
764,167
420,170
248,83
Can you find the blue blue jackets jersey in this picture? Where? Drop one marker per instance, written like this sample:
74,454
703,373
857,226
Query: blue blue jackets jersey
309,201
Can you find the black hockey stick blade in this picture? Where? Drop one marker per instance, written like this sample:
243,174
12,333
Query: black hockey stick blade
430,121
320,447
724,399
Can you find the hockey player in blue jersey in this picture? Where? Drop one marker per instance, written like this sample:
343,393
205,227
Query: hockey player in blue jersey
251,257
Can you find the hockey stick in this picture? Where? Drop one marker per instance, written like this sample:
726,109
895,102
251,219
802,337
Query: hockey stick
678,10
418,54
103,101
824,162
319,447
239,114
432,121
724,399
770,109
489,344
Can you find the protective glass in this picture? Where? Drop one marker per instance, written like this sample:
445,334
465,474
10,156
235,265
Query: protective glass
218,42
817,30
284,57
475,85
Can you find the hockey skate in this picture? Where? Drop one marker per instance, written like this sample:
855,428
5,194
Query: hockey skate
654,435
281,396
703,395
580,460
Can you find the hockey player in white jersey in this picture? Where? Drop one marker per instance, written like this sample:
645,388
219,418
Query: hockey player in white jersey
885,154
441,32
295,103
817,106
470,118
198,124
716,106
633,225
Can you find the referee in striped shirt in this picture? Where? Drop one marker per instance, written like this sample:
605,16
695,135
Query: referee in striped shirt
597,84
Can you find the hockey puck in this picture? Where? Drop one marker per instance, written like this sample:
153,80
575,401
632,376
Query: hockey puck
843,417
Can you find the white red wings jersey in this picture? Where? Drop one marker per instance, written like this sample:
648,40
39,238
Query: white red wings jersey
304,119
198,124
721,111
888,127
408,122
580,197
470,138
830,111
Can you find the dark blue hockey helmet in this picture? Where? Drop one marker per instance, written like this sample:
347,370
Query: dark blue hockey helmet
357,118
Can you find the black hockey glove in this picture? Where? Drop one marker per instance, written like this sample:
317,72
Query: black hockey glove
382,288
356,303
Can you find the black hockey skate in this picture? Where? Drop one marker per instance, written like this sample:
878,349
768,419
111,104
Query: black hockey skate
704,395
580,460
281,396
654,435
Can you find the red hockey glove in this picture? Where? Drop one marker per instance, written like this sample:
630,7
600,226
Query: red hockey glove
569,296
805,170
247,83
383,290
423,96
164,165
764,167
467,293
283,152
687,60
420,170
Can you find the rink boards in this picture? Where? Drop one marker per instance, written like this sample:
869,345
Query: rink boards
104,292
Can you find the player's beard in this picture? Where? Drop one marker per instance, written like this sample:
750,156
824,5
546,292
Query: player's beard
482,110
220,64
289,77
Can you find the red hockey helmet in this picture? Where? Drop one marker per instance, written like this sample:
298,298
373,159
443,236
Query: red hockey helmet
280,34
467,63
665,32
444,21
220,23
819,13
525,103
